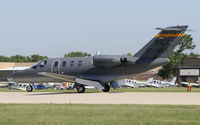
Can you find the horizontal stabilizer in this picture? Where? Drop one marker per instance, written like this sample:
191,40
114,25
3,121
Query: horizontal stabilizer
169,29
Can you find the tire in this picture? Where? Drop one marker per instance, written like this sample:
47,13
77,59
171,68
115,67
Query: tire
80,89
106,88
29,88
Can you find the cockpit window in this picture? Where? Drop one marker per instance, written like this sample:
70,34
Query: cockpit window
41,63
35,66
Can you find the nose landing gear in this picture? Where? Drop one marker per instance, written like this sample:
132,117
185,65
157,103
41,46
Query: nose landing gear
80,88
29,88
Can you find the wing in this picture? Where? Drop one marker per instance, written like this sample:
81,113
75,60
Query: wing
68,78
59,76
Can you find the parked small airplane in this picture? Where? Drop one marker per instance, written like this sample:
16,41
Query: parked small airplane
161,84
25,86
130,83
20,86
185,84
102,70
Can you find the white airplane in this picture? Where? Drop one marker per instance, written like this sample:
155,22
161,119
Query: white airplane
24,86
161,84
130,83
193,84
3,85
20,86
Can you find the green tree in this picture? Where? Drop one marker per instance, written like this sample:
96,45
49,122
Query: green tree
178,57
37,57
129,54
4,59
193,55
19,58
77,54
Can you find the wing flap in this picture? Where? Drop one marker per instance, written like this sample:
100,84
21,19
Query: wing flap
58,76
68,78
89,83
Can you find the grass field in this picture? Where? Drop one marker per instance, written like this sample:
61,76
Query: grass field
53,114
178,89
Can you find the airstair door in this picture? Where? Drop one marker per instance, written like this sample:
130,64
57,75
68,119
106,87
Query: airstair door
55,67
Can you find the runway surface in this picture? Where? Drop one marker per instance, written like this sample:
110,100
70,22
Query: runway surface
101,98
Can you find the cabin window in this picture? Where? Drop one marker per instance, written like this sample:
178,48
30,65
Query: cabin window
79,63
45,62
72,63
56,64
64,64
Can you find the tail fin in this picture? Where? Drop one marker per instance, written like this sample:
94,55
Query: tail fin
163,44
173,80
149,80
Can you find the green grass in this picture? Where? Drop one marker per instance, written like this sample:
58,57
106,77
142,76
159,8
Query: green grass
73,114
181,89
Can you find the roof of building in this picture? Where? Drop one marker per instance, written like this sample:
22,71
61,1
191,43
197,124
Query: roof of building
188,67
14,68
13,65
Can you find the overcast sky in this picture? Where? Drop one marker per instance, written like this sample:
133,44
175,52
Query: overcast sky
56,27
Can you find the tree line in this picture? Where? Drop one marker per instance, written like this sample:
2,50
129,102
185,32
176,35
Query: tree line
20,58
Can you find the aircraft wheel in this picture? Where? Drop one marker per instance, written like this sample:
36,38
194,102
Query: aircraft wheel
29,88
106,88
80,89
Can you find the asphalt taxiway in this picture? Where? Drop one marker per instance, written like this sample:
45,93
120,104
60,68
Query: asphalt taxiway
170,98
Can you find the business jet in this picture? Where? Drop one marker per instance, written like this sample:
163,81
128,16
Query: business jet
99,70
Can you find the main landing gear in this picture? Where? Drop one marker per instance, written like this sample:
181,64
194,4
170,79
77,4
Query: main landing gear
106,88
80,88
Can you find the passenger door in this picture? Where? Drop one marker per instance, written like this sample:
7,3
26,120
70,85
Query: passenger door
55,67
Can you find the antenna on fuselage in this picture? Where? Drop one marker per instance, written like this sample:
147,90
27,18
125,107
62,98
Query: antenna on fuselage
98,53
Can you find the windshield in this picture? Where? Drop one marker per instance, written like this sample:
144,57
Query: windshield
38,63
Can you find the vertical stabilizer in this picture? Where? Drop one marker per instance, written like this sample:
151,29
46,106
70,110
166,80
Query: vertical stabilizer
163,44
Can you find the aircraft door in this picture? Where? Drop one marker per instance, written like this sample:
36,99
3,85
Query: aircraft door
55,67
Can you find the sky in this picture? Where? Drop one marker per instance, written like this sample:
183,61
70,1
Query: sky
55,27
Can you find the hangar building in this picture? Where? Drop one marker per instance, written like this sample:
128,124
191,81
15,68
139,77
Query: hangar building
190,72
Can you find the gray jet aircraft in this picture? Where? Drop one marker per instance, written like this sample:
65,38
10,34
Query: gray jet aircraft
101,71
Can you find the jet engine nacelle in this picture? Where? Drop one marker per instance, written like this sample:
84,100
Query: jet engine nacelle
106,61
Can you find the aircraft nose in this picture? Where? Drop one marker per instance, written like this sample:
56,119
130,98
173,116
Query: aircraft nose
10,78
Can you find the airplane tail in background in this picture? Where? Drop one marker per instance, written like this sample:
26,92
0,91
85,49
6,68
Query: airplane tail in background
173,80
162,45
149,80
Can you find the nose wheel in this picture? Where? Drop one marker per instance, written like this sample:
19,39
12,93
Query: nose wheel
29,88
106,88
